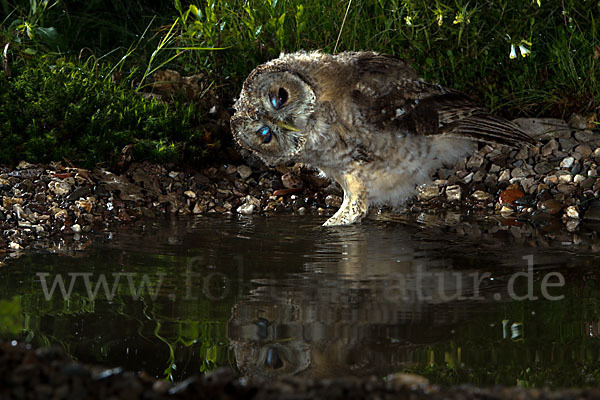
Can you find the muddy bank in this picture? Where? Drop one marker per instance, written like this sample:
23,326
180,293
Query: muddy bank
47,373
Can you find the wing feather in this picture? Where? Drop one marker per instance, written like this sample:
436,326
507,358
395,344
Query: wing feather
413,106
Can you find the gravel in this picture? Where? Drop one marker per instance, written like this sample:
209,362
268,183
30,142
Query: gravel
558,176
47,373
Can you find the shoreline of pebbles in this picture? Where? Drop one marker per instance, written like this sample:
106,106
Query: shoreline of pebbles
557,180
48,373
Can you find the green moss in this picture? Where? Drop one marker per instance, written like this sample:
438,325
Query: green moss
68,110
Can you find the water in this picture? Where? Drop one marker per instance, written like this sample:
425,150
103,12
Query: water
457,299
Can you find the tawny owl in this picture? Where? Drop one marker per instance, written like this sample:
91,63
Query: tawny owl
364,119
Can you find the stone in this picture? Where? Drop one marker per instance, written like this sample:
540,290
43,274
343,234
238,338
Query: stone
572,212
453,193
480,195
246,209
335,201
59,188
509,196
427,191
565,188
76,228
543,168
566,178
585,136
244,171
549,148
291,181
522,172
550,206
190,194
199,208
584,150
578,121
567,162
504,176
544,127
475,161
566,144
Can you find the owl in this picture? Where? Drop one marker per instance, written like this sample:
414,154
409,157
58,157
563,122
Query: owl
363,119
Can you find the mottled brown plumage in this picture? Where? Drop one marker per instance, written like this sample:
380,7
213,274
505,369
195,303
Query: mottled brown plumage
364,119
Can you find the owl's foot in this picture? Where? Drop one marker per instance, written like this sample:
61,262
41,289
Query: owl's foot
355,205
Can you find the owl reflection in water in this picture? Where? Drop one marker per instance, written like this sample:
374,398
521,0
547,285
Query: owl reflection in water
365,120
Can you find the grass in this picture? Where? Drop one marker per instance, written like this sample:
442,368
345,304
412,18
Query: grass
518,58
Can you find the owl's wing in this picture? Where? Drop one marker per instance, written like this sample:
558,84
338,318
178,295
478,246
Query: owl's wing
416,107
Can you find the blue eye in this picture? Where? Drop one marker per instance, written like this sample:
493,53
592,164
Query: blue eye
265,132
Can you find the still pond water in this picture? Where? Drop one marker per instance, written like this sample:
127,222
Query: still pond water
457,299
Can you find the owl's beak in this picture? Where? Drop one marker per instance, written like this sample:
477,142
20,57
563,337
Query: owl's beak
287,126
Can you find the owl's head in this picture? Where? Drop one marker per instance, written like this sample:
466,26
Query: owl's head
273,113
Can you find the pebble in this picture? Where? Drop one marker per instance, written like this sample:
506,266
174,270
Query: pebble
333,201
550,206
453,193
480,195
572,212
244,171
59,188
424,192
509,196
543,168
246,209
567,162
291,181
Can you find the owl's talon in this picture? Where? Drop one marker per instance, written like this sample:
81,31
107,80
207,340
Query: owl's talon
355,205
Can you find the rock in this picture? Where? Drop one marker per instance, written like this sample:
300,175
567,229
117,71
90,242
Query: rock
572,212
480,195
544,127
475,161
578,178
199,208
509,196
522,172
76,228
8,202
566,188
550,206
584,150
549,148
401,381
246,209
244,171
190,194
59,188
291,181
335,201
567,162
427,191
565,178
566,144
453,193
578,121
504,176
585,136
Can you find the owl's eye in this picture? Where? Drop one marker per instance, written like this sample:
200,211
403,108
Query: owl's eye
279,100
265,132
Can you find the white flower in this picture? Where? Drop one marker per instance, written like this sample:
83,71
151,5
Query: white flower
524,50
408,20
513,52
